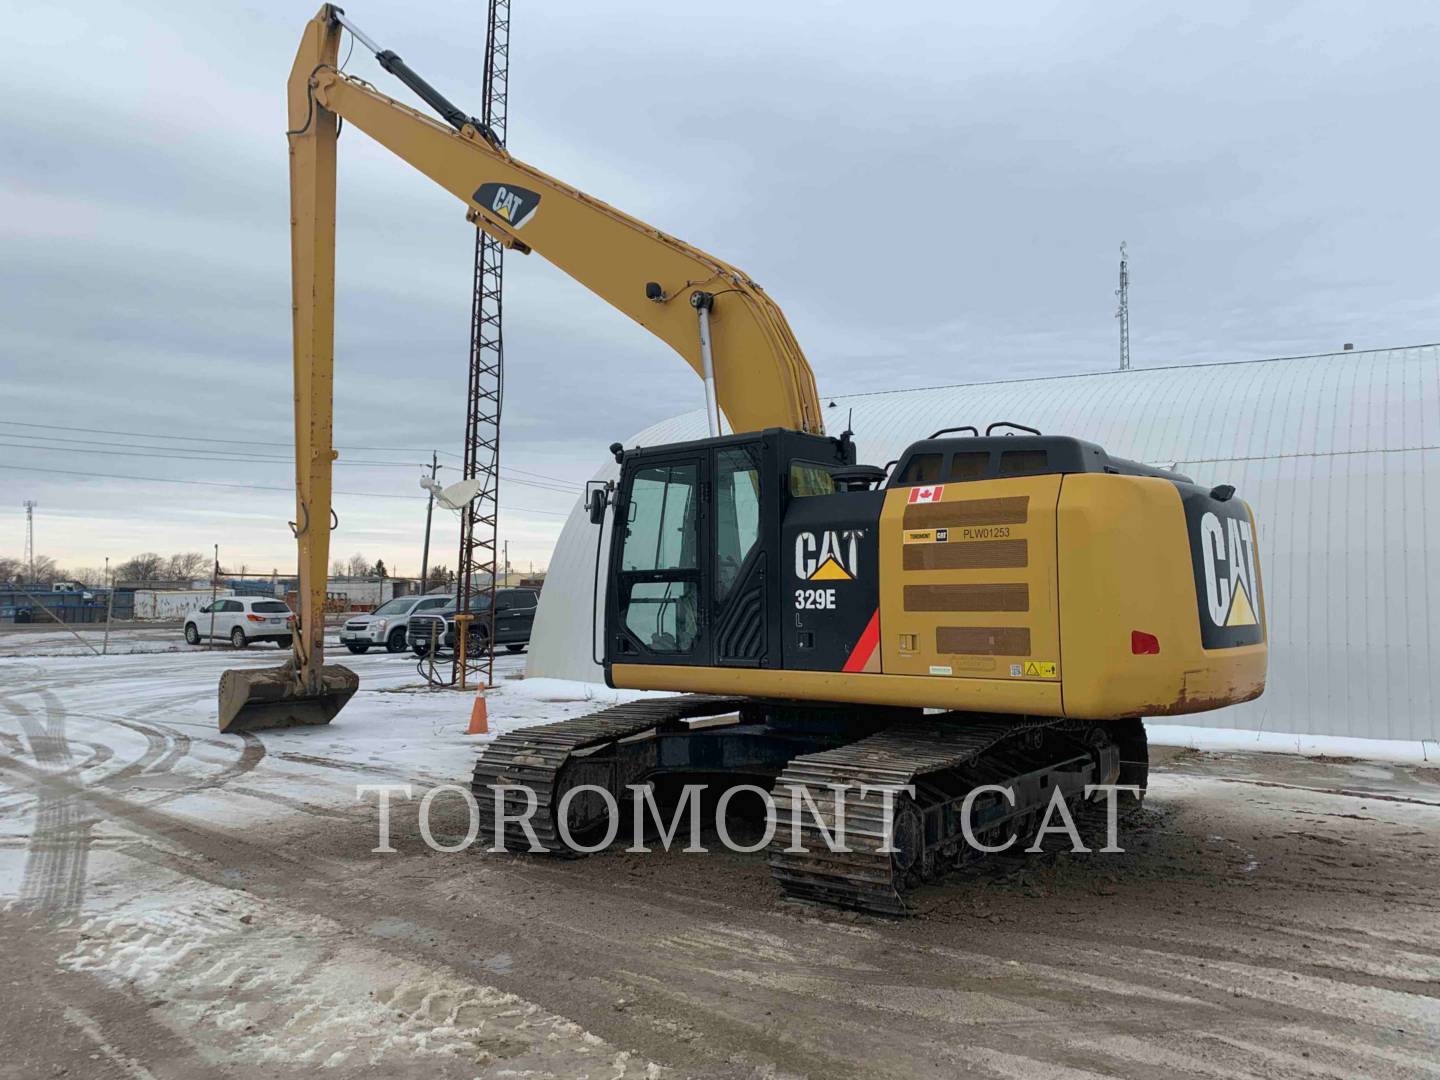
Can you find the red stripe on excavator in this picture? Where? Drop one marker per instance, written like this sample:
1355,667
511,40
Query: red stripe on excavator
866,646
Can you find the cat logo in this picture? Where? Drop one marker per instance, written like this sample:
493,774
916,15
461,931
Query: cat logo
832,556
512,205
1227,549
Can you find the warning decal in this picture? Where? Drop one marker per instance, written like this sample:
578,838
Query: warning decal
1035,669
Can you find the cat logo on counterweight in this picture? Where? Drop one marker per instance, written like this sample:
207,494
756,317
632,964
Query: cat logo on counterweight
1228,553
1226,568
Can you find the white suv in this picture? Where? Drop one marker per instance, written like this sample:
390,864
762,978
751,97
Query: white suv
387,624
242,619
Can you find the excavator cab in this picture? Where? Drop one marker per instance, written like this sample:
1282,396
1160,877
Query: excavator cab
698,545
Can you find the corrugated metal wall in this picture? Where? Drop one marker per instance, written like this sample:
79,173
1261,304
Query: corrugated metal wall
1339,454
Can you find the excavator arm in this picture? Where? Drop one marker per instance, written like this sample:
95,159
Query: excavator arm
719,321
761,376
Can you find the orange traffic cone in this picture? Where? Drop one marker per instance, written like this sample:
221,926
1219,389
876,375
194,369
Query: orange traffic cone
479,718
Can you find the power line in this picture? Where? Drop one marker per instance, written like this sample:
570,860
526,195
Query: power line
121,449
249,487
207,438
240,455
170,456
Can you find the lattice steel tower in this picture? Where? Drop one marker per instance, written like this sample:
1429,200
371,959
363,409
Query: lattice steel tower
1123,313
479,528
30,505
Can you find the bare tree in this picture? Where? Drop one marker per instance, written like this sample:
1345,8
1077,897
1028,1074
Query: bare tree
359,566
438,578
147,566
184,565
45,571
91,576
10,568
337,568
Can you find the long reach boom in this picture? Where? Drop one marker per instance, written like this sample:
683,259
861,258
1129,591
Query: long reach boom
719,321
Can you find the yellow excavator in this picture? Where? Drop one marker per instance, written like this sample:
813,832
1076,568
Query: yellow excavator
997,607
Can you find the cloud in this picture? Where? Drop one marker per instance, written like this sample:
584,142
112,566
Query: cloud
933,192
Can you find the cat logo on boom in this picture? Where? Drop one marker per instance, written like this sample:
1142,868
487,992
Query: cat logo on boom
831,556
512,205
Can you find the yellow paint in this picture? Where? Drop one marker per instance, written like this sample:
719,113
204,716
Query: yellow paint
830,570
1241,612
1124,565
1042,619
762,377
940,692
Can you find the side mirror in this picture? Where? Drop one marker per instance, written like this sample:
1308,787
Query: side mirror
597,498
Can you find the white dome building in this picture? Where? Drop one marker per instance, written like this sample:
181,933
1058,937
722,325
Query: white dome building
1338,454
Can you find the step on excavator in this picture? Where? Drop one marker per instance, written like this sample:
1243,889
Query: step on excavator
999,607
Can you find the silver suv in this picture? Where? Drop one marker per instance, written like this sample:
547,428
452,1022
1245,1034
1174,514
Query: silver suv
387,624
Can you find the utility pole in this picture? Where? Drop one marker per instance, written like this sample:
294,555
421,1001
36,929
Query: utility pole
214,586
109,606
1123,314
30,505
507,562
429,510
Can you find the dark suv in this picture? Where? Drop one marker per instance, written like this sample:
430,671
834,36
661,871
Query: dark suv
514,616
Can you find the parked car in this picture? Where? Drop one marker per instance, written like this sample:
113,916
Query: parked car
242,619
514,617
387,624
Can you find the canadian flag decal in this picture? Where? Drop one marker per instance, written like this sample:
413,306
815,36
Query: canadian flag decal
927,494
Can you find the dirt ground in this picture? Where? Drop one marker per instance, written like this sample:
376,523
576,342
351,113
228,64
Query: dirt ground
176,903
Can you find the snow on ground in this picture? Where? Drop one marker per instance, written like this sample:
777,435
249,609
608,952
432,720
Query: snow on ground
222,889
263,983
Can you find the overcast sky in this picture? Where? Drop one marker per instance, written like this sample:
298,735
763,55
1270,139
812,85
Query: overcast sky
934,192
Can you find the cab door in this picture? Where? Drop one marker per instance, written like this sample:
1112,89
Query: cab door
657,612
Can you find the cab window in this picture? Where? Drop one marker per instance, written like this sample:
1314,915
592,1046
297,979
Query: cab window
737,515
1018,462
808,479
922,469
969,465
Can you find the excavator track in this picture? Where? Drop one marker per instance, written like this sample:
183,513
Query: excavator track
535,757
944,758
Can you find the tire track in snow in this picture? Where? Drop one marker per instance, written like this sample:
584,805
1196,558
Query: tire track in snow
59,851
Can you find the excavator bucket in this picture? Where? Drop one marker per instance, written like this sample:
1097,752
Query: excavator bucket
254,700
